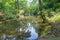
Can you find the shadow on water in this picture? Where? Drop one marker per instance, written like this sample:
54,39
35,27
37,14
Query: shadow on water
30,30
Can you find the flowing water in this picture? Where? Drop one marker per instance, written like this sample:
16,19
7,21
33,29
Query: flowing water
33,33
30,29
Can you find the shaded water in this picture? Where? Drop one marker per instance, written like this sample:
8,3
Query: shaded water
30,29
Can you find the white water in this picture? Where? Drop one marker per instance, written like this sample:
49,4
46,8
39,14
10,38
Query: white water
33,34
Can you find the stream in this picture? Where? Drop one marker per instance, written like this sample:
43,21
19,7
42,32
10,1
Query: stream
30,29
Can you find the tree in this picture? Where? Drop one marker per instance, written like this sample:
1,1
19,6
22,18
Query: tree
41,11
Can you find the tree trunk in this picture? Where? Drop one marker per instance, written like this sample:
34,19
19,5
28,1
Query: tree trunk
41,11
17,6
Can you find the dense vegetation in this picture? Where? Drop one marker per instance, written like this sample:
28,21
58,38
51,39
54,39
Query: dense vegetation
45,12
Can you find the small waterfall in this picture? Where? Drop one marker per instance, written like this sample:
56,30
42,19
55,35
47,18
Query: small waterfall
33,33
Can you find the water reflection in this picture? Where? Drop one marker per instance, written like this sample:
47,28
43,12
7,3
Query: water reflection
30,29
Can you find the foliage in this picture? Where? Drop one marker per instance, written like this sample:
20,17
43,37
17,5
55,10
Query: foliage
47,10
